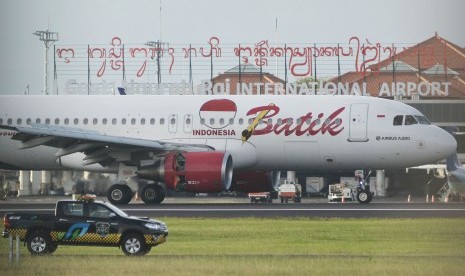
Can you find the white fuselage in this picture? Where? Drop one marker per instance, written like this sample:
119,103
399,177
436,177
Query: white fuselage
303,133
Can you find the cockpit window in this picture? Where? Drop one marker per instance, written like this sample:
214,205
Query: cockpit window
422,120
398,120
410,120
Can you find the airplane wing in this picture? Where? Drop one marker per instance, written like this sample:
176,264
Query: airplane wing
98,147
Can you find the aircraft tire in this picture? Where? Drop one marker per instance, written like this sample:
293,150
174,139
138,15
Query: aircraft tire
364,196
161,194
152,194
127,194
119,194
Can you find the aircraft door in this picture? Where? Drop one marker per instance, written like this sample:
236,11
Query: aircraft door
173,123
188,123
358,123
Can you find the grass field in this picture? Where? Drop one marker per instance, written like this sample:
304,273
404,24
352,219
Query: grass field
281,246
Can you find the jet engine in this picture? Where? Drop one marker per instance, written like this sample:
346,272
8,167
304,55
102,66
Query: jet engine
255,181
197,172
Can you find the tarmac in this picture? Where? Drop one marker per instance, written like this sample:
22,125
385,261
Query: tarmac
238,207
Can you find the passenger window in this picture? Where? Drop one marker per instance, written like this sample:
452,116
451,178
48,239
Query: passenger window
398,120
98,211
133,121
410,120
19,121
173,121
123,121
73,209
231,121
95,121
47,121
142,121
202,121
188,121
104,121
57,121
28,121
241,121
162,121
212,121
85,121
221,121
38,121
66,121
76,121
114,121
152,121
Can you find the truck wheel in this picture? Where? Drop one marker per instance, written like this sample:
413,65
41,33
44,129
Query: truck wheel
134,245
53,248
39,243
364,196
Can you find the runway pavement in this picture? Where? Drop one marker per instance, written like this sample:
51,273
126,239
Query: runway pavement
240,207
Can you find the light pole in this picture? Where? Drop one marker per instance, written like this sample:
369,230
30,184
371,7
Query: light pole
158,47
48,38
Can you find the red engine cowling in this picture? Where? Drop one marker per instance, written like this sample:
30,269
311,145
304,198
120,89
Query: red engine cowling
198,172
255,182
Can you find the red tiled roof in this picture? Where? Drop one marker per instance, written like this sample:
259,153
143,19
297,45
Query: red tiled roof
424,55
435,50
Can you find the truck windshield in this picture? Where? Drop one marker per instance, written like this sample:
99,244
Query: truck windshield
116,210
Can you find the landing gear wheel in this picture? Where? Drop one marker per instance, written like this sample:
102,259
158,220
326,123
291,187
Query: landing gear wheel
161,194
364,196
39,243
119,194
134,245
152,193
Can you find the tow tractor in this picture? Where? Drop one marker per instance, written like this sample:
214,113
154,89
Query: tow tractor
290,191
264,197
346,191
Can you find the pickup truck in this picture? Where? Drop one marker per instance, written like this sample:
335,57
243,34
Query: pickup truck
85,222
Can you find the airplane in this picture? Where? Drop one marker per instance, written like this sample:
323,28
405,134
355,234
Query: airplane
214,143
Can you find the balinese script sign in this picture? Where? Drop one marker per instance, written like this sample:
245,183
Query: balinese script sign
159,68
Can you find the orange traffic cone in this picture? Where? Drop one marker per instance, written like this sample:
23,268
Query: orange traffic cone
432,199
409,199
446,200
343,199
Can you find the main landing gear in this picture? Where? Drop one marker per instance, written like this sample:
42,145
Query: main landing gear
122,194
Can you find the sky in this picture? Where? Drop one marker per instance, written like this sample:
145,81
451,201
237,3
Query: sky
184,22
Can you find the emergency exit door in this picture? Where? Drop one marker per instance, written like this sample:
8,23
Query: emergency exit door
358,123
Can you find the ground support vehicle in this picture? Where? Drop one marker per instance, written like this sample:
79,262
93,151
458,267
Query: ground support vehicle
339,193
85,222
290,192
264,197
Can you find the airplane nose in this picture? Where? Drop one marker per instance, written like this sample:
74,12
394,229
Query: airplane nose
445,144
